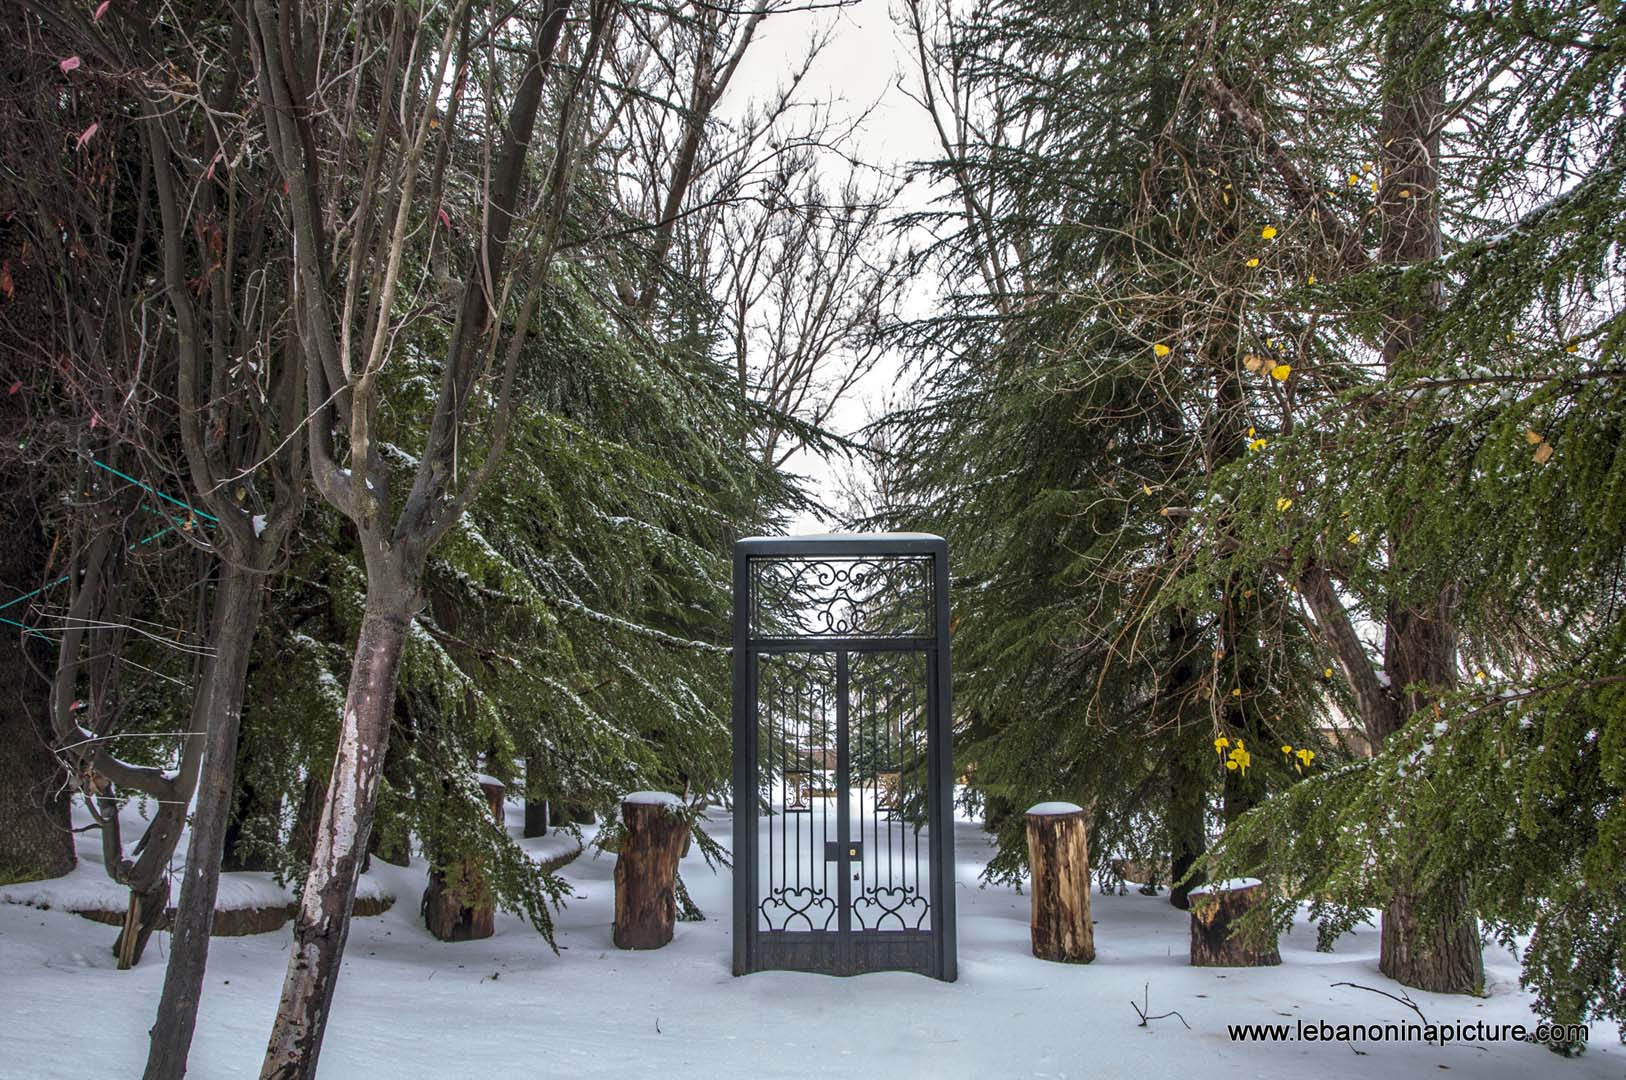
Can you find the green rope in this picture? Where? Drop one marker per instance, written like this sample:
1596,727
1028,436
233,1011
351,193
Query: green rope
210,518
155,491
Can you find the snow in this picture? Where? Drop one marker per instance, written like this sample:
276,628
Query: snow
1229,885
652,798
412,1007
88,888
838,538
486,778
1045,809
259,523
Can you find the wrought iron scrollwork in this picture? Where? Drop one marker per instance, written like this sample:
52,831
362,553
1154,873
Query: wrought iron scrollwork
783,906
841,597
902,904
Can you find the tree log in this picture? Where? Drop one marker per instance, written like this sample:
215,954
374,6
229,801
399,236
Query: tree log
458,905
1215,910
646,869
1059,857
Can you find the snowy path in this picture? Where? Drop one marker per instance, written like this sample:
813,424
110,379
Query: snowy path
409,1006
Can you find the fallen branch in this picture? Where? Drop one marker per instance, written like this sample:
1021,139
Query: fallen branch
1403,997
1142,1012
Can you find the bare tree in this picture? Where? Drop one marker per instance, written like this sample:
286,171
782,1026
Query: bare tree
460,101
808,279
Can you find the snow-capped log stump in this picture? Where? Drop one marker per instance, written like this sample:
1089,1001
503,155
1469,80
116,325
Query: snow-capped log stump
646,869
458,906
1059,857
1215,910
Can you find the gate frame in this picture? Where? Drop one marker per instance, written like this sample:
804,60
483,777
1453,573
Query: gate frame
939,731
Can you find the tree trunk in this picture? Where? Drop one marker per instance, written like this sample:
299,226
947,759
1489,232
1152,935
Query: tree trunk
646,870
1059,858
458,905
250,808
1188,832
1214,913
217,712
1440,955
536,818
140,920
35,840
536,810
323,921
1420,644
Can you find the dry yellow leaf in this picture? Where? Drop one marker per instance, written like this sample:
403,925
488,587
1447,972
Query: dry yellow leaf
1533,438
1252,362
1543,453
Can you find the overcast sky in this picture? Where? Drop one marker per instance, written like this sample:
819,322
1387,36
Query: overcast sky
859,69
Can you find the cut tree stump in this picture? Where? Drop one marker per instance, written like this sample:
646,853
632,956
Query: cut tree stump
458,905
646,869
1215,910
1059,857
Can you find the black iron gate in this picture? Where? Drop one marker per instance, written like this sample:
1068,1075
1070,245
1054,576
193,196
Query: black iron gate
843,860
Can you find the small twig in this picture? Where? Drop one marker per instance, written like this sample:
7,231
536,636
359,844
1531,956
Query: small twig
1142,1012
1403,997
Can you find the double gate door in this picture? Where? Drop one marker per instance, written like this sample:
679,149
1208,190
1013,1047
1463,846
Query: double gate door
841,857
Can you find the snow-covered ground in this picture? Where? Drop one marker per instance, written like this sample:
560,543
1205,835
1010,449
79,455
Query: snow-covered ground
410,1006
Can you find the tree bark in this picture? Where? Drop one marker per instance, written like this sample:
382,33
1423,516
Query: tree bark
1214,913
536,810
218,709
1420,647
1188,834
1059,858
646,873
323,922
249,805
35,839
458,905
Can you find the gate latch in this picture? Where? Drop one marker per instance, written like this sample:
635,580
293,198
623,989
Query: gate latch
837,852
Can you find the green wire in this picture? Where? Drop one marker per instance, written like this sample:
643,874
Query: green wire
139,543
155,491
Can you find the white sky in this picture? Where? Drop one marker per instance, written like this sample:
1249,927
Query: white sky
859,69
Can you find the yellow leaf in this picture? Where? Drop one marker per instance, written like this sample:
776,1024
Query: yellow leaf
1257,444
1327,674
1252,362
1268,232
1281,371
1374,186
1250,432
1236,692
1533,438
1253,262
1353,179
1147,488
1354,537
1573,346
1543,453
1405,193
1160,349
1310,280
1283,503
